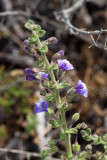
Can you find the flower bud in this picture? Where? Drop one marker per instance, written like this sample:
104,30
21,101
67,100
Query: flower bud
88,147
76,117
27,49
52,40
61,52
25,42
76,147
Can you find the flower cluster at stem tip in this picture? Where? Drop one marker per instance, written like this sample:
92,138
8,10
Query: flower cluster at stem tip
62,64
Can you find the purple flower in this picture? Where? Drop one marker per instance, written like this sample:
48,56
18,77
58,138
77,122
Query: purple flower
61,52
43,75
52,40
28,71
27,49
25,42
81,89
65,65
55,41
30,77
41,106
29,74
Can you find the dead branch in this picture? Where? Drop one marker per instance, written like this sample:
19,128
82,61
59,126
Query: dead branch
26,153
7,13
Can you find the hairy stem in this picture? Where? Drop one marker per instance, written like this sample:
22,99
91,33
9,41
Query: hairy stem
67,136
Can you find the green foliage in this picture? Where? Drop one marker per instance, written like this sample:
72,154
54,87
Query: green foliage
43,49
76,147
56,123
72,130
41,33
49,97
62,85
31,123
75,117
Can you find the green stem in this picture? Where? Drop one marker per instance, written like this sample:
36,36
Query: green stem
67,136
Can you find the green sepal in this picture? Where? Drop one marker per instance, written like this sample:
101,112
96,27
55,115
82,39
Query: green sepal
49,97
33,38
76,147
36,28
78,126
44,49
75,117
41,33
54,67
60,106
50,110
62,134
39,63
62,85
68,107
51,84
72,130
70,157
57,124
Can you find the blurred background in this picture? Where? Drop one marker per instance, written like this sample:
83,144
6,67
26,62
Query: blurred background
19,127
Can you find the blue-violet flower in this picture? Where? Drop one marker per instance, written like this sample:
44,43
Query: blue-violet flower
61,52
81,89
29,74
43,75
41,106
65,65
30,77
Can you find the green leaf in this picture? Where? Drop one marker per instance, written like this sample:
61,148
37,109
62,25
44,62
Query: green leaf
29,24
33,38
41,33
44,49
98,141
54,149
72,130
30,21
31,42
57,124
68,107
44,154
104,138
87,138
88,131
50,97
62,134
50,110
62,85
51,143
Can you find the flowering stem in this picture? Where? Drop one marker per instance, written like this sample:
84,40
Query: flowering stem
67,136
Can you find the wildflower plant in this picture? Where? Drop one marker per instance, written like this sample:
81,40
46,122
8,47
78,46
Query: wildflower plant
46,74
